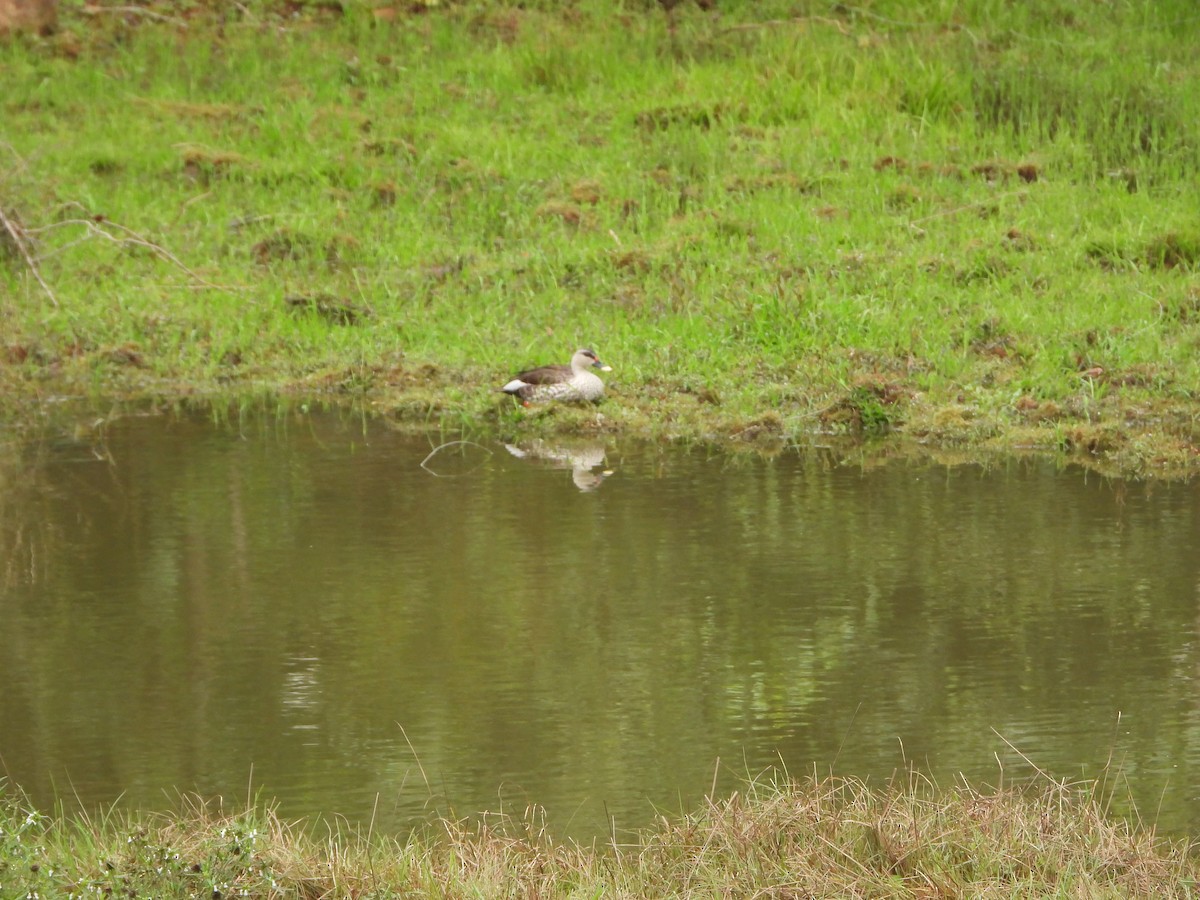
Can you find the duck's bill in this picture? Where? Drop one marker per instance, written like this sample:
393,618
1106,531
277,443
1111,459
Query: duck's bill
604,368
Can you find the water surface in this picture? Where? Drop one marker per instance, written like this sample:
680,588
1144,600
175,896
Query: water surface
297,606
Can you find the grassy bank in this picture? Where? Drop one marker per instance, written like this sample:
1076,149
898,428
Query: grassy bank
815,839
971,224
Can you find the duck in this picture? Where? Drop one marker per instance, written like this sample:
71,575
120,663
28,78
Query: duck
572,383
585,460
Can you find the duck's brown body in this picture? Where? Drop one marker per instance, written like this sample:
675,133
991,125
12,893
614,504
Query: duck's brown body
575,382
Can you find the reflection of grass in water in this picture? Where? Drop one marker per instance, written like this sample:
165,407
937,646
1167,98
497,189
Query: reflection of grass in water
831,837
756,208
28,542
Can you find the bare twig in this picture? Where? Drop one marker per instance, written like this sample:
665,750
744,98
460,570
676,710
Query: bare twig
867,14
1013,748
93,227
441,447
18,240
90,10
778,23
243,221
420,767
186,203
246,12
953,211
50,254
21,164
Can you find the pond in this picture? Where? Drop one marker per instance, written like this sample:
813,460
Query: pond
315,609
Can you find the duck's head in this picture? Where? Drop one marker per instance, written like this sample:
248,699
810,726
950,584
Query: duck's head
585,359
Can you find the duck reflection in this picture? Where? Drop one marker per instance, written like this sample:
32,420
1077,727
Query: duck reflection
585,460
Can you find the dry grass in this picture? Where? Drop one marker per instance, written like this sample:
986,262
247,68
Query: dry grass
841,838
826,837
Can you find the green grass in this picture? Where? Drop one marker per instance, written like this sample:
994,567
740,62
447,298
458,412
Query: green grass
817,838
966,223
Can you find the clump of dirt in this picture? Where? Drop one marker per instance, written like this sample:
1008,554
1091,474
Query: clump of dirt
1170,250
204,166
40,16
389,147
340,249
460,173
768,425
1108,254
105,166
568,213
1144,375
126,355
384,194
872,406
702,394
903,197
1094,440
586,192
284,244
946,170
989,338
333,309
1127,175
831,212
1173,250
1186,310
317,9
989,171
773,181
503,25
1000,170
635,261
1021,241
691,116
981,269
1037,411
443,270
180,109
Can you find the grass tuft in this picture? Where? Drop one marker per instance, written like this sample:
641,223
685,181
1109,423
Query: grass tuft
816,837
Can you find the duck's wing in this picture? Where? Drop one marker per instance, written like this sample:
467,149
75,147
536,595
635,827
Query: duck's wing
545,375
